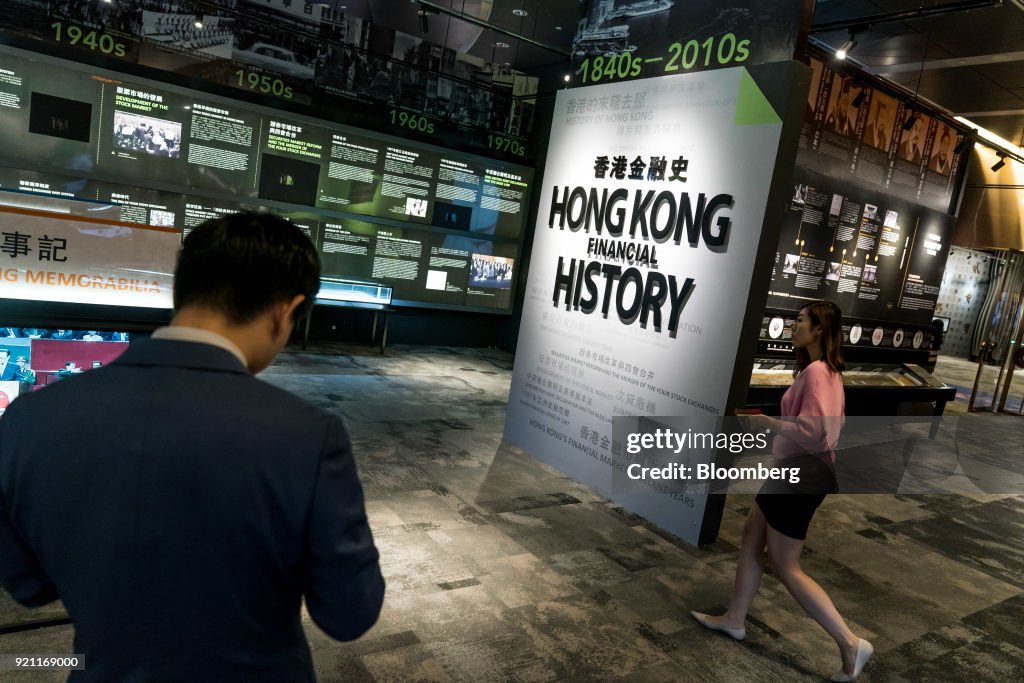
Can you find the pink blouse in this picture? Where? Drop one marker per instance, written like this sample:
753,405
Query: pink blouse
813,413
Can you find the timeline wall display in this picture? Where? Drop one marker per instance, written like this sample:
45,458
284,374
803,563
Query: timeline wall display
852,131
877,256
869,222
95,136
341,59
625,40
420,265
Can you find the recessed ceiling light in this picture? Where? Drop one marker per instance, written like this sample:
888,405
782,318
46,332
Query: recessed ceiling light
558,28
501,45
519,12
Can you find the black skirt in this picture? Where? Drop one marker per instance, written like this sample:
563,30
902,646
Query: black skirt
789,507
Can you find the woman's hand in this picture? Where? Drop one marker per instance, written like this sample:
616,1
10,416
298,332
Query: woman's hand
760,423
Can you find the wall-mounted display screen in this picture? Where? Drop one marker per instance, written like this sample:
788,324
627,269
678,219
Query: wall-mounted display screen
422,216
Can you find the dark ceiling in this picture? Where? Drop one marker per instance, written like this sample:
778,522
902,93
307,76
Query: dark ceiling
970,62
973,59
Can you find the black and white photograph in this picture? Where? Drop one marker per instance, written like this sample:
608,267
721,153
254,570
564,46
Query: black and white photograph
836,206
792,264
912,140
834,269
881,121
492,272
941,160
799,194
158,137
842,115
869,273
870,212
161,219
172,26
416,206
118,17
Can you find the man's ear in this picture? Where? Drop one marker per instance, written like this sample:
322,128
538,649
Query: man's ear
285,310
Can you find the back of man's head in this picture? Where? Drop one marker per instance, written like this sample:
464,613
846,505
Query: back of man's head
239,265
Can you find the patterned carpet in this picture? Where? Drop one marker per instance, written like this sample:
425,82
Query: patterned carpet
499,568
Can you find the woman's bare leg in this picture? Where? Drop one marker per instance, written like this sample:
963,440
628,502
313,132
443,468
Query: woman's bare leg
748,571
785,556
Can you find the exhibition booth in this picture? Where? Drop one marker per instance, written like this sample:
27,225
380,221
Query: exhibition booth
695,194
612,242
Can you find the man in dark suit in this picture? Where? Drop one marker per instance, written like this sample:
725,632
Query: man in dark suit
185,508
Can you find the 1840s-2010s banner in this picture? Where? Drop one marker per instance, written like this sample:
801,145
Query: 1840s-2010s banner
650,216
74,259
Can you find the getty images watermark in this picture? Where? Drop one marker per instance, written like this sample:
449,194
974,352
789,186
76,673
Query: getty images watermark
688,456
666,440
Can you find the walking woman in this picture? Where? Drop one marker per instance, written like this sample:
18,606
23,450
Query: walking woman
812,416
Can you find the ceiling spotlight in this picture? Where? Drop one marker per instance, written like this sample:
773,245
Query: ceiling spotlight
911,120
519,12
859,99
424,22
501,45
847,47
199,22
566,78
1002,161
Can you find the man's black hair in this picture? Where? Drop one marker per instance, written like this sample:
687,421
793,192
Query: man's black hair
242,264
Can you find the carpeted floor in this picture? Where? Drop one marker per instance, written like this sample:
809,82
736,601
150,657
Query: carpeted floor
499,568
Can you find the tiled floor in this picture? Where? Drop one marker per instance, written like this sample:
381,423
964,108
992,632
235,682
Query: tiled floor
501,569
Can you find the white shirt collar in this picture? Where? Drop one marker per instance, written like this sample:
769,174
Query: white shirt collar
199,336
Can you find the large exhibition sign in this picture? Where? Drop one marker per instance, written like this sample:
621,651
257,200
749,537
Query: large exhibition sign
650,219
78,259
620,40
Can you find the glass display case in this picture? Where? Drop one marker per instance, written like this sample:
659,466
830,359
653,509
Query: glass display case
354,293
871,388
349,293
779,373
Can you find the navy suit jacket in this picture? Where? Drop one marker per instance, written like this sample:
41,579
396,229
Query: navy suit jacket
181,509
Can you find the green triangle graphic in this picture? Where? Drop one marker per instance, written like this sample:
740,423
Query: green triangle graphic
751,106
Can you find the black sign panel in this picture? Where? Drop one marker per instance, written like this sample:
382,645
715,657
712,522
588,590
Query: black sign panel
60,117
877,256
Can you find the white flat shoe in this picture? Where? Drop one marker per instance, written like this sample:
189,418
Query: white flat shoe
864,652
705,621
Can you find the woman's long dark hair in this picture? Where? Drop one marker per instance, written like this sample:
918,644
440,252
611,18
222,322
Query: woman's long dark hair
830,318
